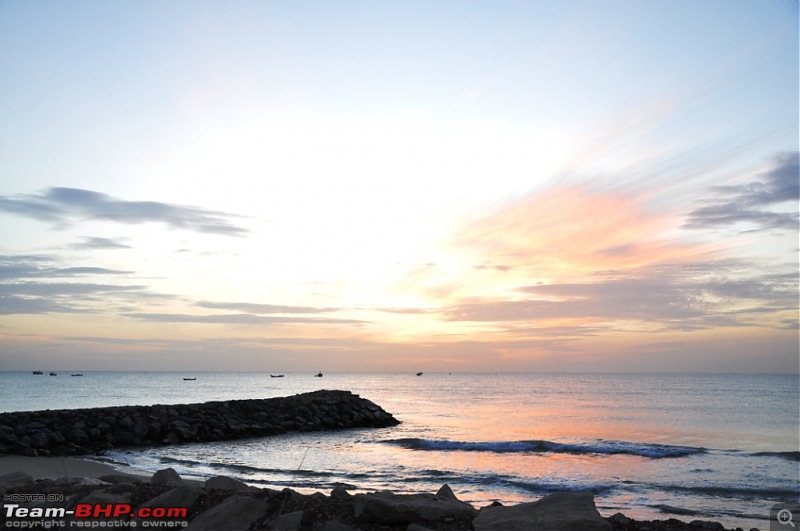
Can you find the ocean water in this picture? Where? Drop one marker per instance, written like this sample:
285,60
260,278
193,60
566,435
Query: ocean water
653,446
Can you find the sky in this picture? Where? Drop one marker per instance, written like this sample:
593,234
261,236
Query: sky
399,186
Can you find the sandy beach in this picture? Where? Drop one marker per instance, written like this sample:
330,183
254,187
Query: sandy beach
58,467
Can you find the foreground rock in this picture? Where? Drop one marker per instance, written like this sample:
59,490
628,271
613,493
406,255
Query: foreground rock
90,431
389,508
557,512
225,504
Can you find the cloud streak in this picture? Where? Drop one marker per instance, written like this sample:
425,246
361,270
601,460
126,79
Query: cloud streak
686,297
751,203
262,308
35,284
99,243
236,319
60,206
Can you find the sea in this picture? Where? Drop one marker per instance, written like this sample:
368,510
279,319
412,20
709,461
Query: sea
652,446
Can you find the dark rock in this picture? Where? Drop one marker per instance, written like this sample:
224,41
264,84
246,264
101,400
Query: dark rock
40,440
15,479
287,522
105,497
336,525
701,524
116,479
446,493
236,513
557,512
340,493
183,496
389,508
166,476
124,437
417,527
78,436
228,484
621,519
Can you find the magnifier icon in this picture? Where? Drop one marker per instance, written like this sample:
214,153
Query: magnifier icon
785,517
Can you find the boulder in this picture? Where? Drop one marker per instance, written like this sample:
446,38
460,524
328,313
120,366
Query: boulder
703,524
417,527
336,525
446,493
103,497
118,479
15,479
228,484
564,511
236,513
167,476
390,508
183,496
340,493
287,522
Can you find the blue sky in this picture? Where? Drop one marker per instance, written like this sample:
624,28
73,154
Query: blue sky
364,185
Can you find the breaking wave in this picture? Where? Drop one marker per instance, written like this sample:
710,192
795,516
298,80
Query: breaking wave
653,451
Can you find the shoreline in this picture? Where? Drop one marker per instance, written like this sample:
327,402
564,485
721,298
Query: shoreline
64,467
219,499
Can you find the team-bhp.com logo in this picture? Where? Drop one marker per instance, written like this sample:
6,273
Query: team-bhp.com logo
97,515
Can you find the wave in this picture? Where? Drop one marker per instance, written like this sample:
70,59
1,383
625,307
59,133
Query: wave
653,451
723,491
791,456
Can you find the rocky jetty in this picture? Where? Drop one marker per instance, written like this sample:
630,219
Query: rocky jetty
90,431
226,504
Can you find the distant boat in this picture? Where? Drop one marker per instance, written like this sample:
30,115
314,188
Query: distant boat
276,376
53,374
77,374
318,375
189,379
419,374
38,372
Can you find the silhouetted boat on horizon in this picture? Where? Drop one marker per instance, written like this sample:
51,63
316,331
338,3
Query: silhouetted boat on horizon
419,374
38,372
189,379
77,374
318,375
53,374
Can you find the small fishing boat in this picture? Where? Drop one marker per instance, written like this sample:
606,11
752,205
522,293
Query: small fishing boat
419,374
276,376
189,379
53,374
318,375
38,372
77,374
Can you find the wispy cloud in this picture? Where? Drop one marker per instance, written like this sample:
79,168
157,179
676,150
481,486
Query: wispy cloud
262,308
35,284
238,318
63,297
751,203
61,206
20,267
667,297
99,243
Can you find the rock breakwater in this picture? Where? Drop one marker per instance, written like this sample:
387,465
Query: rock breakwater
89,431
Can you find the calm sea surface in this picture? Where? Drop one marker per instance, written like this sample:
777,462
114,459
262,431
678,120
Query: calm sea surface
722,447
